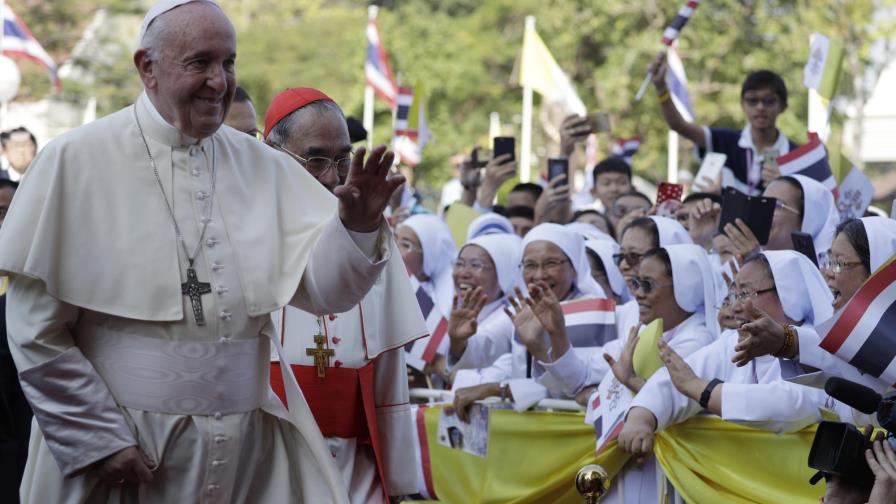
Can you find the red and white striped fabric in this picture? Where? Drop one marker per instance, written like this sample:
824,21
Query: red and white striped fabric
19,42
810,160
425,486
626,148
863,333
422,351
674,29
376,68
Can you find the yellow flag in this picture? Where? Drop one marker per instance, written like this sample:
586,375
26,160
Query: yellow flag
540,71
647,356
458,218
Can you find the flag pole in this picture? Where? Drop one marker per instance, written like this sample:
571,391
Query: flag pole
526,133
672,158
369,98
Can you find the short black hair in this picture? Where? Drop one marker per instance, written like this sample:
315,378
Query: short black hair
356,131
241,96
521,211
857,236
4,183
500,210
20,129
765,79
591,211
700,196
534,189
612,165
647,225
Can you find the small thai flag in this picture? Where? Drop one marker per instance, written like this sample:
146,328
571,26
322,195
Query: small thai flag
863,333
18,42
590,322
626,148
376,68
402,113
684,14
677,82
422,351
810,160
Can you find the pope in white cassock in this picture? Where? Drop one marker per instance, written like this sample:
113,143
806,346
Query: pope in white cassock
350,366
146,252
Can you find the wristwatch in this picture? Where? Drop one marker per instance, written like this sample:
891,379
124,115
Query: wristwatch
505,389
707,392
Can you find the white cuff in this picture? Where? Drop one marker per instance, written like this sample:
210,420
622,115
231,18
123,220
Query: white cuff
568,370
526,393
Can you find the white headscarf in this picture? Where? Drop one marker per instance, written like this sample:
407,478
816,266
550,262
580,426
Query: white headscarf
589,231
506,251
693,282
820,215
161,7
605,250
489,223
671,232
802,290
438,254
573,245
881,233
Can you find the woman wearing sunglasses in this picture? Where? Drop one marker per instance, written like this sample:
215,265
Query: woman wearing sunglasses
485,272
788,289
554,258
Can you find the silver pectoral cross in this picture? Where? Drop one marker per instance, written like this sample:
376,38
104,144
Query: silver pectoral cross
195,290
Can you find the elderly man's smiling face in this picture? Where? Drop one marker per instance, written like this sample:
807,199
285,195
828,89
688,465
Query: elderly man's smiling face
188,67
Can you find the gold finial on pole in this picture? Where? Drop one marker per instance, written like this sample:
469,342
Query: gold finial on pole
591,482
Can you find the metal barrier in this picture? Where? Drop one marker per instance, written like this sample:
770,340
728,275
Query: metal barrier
434,395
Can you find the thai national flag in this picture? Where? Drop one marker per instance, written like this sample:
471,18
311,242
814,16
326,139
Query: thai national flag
677,82
376,68
626,148
863,333
404,100
590,322
674,29
810,160
18,42
422,351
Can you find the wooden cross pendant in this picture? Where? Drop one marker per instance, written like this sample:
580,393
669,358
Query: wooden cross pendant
195,289
321,355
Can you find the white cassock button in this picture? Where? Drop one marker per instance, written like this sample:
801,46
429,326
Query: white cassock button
201,195
220,438
218,415
211,242
212,488
194,172
226,315
216,266
206,220
221,290
216,463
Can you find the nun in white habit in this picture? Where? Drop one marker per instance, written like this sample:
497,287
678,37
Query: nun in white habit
820,215
604,250
489,223
493,328
569,275
880,233
438,251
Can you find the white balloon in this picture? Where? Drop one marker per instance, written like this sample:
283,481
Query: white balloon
10,78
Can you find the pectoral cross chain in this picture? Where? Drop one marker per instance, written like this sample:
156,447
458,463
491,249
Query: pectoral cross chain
321,355
195,290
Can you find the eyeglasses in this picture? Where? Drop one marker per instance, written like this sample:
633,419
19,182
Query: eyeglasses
407,246
632,258
550,265
476,266
767,102
741,296
727,301
646,285
838,265
318,166
784,206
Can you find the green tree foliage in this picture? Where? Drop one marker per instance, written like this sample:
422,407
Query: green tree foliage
465,51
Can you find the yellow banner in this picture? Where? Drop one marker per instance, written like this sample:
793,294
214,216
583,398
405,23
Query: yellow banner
533,457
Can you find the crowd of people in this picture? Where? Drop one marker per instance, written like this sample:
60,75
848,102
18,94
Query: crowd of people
146,359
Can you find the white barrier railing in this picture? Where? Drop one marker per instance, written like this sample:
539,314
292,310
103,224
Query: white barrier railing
434,395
